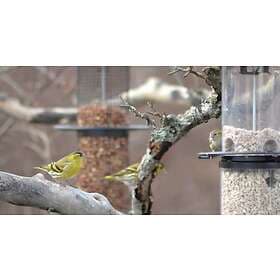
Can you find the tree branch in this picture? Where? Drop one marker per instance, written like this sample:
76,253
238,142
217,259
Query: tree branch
172,129
156,91
15,109
38,192
153,90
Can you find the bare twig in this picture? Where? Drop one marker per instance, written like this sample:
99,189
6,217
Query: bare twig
211,76
43,148
15,86
154,112
187,71
6,126
144,116
47,72
56,79
19,91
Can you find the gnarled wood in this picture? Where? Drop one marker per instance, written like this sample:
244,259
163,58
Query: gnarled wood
172,129
38,192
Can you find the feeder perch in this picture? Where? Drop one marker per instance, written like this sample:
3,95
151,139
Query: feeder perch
250,156
102,131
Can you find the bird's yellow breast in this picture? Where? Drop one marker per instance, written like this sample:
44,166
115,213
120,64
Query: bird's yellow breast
71,169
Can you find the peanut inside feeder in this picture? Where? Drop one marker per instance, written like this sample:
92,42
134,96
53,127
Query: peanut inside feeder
104,154
106,149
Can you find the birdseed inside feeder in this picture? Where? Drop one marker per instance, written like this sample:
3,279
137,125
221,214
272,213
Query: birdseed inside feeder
250,153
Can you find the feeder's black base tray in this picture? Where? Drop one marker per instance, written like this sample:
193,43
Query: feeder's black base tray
121,131
249,160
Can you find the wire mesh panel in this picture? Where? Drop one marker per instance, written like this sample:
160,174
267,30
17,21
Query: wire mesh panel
99,83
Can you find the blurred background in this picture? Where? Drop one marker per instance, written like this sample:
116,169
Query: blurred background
190,186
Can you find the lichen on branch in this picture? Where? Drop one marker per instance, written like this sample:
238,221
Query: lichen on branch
172,128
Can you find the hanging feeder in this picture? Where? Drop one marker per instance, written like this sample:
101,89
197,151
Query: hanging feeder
250,156
102,131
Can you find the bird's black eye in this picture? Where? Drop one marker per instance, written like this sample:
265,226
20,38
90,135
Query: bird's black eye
79,153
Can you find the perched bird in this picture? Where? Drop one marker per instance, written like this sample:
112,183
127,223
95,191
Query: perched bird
65,168
129,175
215,140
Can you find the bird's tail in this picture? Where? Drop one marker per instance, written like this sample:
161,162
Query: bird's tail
110,178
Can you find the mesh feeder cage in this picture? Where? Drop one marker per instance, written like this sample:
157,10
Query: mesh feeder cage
102,131
250,156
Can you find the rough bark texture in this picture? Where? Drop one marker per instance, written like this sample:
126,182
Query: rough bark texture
38,192
172,129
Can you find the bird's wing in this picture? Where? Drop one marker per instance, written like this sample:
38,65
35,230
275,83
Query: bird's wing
132,168
126,171
129,170
63,162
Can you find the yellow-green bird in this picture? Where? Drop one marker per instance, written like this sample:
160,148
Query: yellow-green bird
65,168
215,140
129,175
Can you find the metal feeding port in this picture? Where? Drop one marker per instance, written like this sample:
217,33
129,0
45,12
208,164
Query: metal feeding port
250,156
121,131
245,160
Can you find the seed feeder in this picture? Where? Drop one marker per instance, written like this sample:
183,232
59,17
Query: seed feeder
102,130
250,156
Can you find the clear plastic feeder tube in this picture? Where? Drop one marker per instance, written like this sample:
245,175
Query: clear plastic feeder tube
250,111
250,123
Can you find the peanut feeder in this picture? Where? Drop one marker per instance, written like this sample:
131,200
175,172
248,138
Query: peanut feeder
102,131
